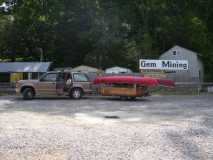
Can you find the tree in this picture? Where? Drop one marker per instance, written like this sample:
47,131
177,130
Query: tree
104,33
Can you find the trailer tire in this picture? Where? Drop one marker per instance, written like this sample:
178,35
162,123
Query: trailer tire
132,98
124,98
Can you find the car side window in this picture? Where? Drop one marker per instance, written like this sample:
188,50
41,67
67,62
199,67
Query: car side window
51,77
80,77
60,77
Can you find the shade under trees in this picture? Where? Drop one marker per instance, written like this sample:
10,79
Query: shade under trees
102,33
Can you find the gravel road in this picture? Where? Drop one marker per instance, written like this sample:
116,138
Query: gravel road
154,128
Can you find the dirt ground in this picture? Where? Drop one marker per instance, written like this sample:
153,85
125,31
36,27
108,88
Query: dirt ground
95,128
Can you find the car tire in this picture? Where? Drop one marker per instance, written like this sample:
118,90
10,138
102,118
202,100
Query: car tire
76,93
28,94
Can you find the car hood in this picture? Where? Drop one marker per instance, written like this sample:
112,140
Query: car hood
28,81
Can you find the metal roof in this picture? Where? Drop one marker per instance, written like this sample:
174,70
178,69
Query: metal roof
83,68
117,70
16,67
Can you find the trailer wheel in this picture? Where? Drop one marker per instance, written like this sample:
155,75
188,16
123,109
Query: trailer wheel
76,93
132,98
124,98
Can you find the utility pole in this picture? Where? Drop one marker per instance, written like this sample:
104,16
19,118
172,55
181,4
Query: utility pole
41,54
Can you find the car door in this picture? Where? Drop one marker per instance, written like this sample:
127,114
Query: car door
81,80
47,84
60,83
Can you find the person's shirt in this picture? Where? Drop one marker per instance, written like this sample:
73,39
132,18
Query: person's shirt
69,82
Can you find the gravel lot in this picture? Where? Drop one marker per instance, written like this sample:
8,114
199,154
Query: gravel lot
154,128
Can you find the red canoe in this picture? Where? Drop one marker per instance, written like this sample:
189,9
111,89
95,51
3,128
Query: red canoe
146,81
166,82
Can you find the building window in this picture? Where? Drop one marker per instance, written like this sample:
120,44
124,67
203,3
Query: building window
35,75
4,77
174,53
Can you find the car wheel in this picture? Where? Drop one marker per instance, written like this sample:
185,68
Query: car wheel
76,93
28,94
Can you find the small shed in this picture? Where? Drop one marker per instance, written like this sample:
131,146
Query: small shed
195,73
118,70
90,71
85,69
63,69
14,71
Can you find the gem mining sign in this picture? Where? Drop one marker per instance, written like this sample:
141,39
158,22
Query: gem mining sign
147,64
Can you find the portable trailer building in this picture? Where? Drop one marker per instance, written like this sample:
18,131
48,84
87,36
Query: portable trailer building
14,71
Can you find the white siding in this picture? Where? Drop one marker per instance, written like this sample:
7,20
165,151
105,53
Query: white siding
192,75
117,70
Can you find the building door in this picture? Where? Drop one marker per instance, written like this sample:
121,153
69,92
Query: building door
47,84
14,77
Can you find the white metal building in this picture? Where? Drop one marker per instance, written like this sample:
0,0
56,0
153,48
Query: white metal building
85,69
195,73
118,70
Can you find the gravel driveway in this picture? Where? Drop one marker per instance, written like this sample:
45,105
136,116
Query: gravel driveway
155,128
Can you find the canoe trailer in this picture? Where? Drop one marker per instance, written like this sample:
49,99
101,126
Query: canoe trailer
129,87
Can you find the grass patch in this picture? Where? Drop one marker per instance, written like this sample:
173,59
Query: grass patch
5,94
175,91
2,94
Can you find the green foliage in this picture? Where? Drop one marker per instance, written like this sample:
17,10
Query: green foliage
104,33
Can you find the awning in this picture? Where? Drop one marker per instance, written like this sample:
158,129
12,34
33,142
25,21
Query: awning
24,67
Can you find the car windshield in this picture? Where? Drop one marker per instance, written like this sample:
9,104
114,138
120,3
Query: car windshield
80,77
